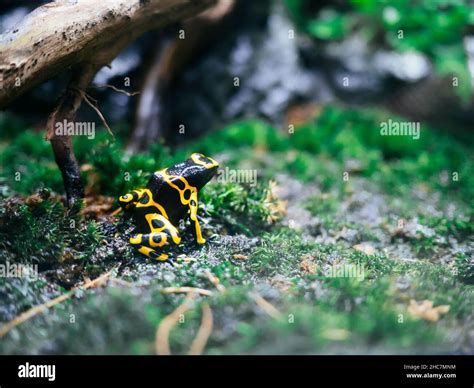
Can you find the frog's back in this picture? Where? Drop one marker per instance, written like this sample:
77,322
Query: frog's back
169,200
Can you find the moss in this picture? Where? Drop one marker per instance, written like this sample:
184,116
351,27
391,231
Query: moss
443,286
336,134
459,226
62,243
27,164
464,268
239,207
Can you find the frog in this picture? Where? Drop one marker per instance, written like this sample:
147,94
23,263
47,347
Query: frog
170,196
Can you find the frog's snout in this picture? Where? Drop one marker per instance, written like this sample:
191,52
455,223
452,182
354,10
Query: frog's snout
210,169
201,170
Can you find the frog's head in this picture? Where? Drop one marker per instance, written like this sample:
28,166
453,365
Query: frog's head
204,168
198,169
129,200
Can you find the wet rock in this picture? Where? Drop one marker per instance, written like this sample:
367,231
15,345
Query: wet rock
366,207
413,229
400,250
226,247
295,193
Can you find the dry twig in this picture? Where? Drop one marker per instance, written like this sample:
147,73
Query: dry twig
93,104
205,330
186,290
129,94
116,212
215,281
266,306
162,345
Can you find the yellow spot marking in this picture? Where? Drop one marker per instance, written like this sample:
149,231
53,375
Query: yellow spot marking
136,240
146,251
163,240
193,216
187,202
167,225
170,180
162,257
130,196
126,198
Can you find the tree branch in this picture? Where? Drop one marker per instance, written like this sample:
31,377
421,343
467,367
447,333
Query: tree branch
65,33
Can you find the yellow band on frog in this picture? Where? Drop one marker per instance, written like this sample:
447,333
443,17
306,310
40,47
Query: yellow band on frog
196,158
169,179
167,226
151,202
136,239
146,251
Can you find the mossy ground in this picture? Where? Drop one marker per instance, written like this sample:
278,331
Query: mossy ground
339,183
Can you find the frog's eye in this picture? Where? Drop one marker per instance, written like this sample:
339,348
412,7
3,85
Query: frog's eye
126,198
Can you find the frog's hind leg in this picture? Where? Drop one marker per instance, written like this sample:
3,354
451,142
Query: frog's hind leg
151,244
163,234
153,254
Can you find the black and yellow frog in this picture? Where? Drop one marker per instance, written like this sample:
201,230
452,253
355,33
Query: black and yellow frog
169,196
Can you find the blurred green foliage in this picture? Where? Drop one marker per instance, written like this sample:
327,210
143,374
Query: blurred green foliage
432,27
320,150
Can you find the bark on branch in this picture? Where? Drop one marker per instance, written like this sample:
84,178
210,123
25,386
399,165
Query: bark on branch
65,33
65,110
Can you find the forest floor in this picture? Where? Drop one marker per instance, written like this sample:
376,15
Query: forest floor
347,242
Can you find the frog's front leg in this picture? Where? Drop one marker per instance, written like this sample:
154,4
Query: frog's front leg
162,234
193,207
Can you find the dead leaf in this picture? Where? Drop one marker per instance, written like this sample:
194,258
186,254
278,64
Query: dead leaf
425,310
276,207
87,167
97,206
281,283
238,256
307,266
